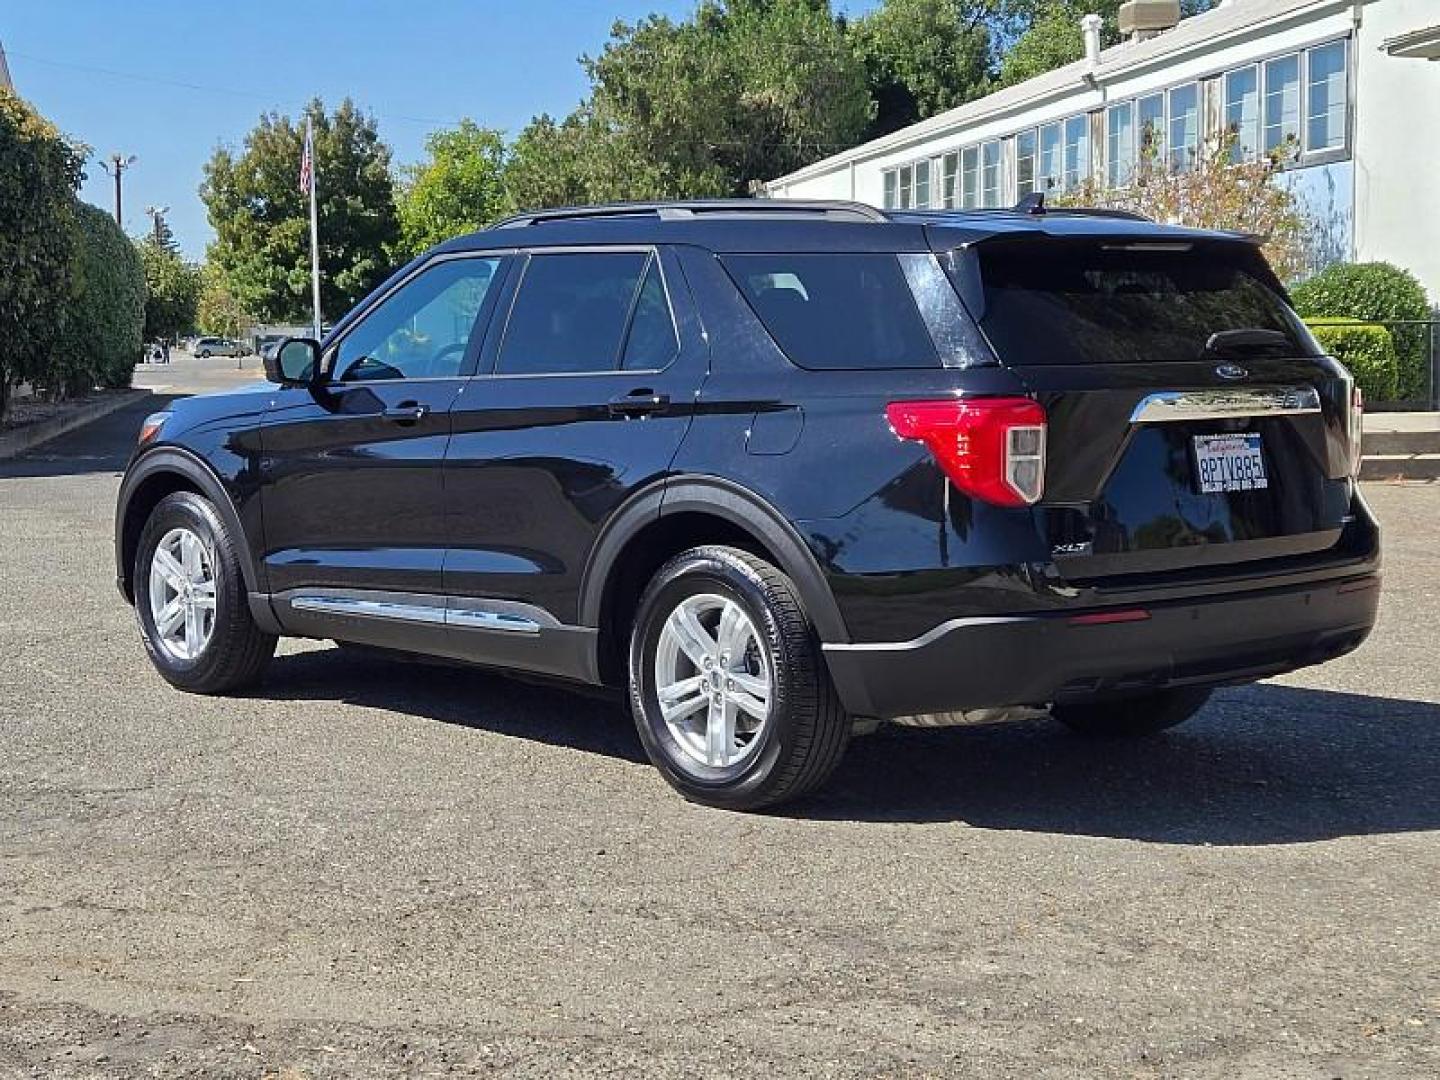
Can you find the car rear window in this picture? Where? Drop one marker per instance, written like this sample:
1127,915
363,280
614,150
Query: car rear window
1064,302
836,310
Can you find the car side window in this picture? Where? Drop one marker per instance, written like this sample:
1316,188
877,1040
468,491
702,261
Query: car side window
422,330
571,312
651,343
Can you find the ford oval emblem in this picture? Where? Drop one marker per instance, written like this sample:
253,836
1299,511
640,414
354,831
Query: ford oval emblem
1231,371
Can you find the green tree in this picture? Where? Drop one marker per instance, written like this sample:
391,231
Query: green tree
39,173
261,217
458,190
102,332
172,290
1045,34
740,92
550,163
922,57
217,311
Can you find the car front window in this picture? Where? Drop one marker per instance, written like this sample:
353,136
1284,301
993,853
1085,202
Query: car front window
422,329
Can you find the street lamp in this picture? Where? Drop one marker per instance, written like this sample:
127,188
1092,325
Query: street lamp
116,167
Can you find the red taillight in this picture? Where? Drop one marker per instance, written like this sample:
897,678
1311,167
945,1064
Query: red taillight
1105,618
991,448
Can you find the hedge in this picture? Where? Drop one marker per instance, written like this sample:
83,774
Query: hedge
39,172
107,313
1366,349
1375,292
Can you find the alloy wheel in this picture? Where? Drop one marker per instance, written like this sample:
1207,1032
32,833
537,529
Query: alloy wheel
182,594
713,680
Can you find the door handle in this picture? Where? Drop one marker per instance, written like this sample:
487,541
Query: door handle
407,412
639,403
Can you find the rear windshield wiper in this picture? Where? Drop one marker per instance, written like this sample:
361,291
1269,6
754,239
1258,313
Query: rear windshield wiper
1248,339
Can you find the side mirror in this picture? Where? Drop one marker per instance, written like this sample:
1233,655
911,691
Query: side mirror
294,362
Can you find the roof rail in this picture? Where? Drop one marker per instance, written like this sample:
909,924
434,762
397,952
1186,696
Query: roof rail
683,210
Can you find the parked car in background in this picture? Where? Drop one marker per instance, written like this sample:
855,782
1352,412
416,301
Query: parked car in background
780,471
207,347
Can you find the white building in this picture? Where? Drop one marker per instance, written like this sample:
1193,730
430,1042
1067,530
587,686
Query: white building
1352,82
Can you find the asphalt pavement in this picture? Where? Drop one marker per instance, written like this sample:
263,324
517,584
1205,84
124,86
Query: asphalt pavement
369,868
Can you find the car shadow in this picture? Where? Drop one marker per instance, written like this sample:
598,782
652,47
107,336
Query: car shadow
576,718
1263,764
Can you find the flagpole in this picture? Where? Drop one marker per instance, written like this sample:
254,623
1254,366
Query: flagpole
314,229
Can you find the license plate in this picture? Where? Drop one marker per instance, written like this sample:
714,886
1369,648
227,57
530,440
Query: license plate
1230,463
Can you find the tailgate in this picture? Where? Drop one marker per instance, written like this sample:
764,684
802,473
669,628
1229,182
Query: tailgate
1192,420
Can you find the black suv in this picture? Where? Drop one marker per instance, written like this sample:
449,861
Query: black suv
782,470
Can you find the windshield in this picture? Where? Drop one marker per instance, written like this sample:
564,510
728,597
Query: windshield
1087,302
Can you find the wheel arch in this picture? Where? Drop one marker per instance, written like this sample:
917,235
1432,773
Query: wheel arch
670,516
161,472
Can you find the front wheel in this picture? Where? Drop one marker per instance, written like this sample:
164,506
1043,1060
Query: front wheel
204,354
729,692
1131,717
190,599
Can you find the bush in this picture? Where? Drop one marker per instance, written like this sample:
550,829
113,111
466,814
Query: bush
1366,349
107,313
39,172
1375,292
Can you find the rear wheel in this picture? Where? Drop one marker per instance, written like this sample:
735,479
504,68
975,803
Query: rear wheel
1130,717
729,692
190,599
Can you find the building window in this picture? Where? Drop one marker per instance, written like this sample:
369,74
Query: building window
1325,86
949,166
1077,151
922,184
990,173
970,177
1184,127
1050,157
907,188
891,202
1282,105
1150,125
1242,111
1120,144
1025,163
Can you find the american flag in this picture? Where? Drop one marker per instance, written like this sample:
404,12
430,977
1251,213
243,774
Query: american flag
307,160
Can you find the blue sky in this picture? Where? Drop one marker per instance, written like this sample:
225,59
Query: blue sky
169,80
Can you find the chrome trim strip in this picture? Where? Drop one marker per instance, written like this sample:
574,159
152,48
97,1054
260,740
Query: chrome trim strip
492,620
927,637
1168,406
509,616
378,609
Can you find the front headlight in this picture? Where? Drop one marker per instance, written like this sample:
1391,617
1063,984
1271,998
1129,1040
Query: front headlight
151,427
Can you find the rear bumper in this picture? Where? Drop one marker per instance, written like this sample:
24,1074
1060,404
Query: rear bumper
1038,659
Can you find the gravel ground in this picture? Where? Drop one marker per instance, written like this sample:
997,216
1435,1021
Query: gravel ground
372,869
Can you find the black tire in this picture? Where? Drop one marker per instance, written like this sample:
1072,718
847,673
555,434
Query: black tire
204,354
806,730
238,651
1132,717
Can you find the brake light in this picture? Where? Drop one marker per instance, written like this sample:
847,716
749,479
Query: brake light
991,448
1357,425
